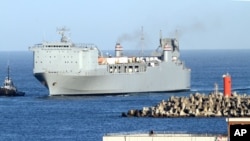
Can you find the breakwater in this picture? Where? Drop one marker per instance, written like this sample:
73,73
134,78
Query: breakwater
197,105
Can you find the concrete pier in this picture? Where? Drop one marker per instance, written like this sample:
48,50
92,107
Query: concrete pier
197,105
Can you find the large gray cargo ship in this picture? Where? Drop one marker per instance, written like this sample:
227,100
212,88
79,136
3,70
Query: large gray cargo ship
66,68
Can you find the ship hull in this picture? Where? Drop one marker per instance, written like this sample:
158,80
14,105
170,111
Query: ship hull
153,80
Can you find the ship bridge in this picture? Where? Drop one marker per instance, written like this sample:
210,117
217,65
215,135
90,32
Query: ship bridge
64,43
61,45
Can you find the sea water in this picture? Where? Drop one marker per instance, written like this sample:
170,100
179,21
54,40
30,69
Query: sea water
37,116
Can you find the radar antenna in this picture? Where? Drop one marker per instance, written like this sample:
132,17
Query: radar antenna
62,31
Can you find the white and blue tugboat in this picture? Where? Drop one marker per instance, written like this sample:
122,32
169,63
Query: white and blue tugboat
8,88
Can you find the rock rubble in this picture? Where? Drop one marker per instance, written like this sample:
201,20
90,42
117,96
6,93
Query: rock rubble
197,105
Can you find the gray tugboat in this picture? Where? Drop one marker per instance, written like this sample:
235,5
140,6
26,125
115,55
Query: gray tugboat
8,88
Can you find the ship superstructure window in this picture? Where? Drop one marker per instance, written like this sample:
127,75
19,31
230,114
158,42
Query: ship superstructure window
126,68
57,46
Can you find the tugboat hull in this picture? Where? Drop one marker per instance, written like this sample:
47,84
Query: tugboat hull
7,92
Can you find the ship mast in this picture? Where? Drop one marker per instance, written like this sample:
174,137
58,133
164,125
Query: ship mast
176,35
161,39
142,41
8,72
160,45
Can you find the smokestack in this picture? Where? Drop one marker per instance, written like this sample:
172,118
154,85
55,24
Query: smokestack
118,50
166,53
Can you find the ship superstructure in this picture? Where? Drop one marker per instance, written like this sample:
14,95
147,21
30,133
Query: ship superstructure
66,68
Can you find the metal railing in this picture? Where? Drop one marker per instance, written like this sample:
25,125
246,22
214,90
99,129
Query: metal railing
164,133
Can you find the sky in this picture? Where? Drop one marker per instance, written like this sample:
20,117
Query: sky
206,24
